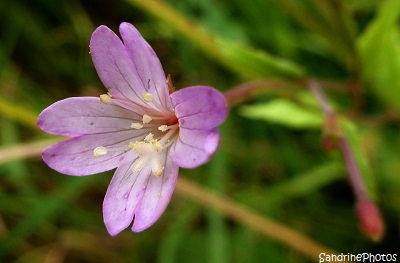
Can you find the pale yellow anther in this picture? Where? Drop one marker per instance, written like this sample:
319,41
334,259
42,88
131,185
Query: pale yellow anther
99,151
136,126
147,118
163,128
147,97
105,98
149,137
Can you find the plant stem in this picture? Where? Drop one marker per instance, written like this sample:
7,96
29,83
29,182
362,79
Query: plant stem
367,211
251,219
245,91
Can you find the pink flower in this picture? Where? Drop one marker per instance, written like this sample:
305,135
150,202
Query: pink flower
138,127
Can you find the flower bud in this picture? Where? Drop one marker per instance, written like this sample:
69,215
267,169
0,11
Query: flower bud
370,219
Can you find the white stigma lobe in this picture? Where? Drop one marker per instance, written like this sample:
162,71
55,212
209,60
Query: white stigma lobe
150,153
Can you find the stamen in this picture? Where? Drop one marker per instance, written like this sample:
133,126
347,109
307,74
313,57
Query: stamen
136,125
105,98
147,119
99,151
149,138
169,134
147,97
163,128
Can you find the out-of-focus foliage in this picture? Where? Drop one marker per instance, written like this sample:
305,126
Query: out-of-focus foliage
286,113
281,172
380,52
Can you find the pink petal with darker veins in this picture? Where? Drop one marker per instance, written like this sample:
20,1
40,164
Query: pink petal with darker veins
194,147
74,156
121,68
147,64
85,115
158,193
123,196
141,198
199,107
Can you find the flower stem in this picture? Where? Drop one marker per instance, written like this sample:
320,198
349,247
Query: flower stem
368,213
24,150
248,90
251,219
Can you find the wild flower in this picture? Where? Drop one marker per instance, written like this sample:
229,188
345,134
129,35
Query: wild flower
138,127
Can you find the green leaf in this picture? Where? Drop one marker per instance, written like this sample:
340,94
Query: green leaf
238,57
257,63
284,112
380,53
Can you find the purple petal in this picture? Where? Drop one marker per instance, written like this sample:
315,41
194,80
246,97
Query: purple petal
124,194
85,115
194,147
199,107
156,198
120,70
147,64
140,197
74,156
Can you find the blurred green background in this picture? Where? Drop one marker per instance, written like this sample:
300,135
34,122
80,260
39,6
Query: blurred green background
271,158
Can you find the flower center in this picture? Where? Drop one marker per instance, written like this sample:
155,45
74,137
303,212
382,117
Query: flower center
163,127
150,153
151,150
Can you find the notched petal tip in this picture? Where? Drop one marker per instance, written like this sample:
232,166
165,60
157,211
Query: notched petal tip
139,198
157,197
128,66
124,195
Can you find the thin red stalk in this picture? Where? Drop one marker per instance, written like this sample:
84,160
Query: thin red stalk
367,211
247,90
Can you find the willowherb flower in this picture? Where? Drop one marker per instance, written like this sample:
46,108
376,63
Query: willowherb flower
138,127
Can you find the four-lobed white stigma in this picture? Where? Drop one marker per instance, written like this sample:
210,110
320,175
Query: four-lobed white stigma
150,150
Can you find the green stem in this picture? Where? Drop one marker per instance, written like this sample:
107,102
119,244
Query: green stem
18,113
